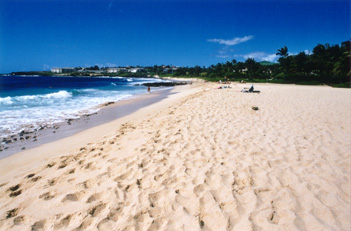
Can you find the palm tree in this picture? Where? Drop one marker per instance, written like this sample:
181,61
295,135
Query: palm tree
283,52
283,60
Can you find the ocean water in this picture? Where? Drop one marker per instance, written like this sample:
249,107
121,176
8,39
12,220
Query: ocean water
28,103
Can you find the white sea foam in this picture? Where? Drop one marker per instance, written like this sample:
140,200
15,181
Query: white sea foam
6,101
30,98
148,80
33,111
29,112
60,94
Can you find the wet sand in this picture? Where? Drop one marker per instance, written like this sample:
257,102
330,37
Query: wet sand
109,112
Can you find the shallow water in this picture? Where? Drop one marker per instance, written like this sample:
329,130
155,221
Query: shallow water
29,103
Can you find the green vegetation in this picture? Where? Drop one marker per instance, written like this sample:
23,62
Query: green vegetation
343,85
328,64
43,73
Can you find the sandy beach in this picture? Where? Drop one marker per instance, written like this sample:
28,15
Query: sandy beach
201,159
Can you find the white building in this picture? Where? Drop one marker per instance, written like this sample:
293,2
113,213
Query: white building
134,70
63,69
116,69
123,69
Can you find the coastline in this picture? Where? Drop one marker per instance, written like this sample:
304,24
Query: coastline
108,111
200,159
114,115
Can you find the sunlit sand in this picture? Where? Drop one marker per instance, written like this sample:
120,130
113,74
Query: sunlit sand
201,159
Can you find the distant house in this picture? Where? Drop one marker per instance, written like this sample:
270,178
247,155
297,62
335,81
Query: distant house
123,69
170,69
116,69
134,70
63,69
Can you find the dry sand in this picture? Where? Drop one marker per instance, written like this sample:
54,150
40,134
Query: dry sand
202,159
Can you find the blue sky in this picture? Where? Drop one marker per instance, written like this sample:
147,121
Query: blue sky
41,34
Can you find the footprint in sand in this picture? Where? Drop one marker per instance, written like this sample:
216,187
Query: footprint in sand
94,197
72,197
51,182
19,220
39,225
15,191
50,165
12,213
64,222
30,175
96,210
85,224
35,179
46,196
88,184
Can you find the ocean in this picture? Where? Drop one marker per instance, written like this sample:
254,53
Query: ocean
30,103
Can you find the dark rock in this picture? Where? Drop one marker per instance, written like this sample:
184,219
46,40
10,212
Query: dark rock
108,103
165,84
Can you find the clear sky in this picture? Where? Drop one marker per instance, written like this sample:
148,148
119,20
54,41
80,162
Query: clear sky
41,34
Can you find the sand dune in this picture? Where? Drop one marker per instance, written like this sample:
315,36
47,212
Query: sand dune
205,161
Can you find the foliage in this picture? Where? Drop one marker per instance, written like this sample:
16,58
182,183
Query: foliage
43,73
328,64
342,85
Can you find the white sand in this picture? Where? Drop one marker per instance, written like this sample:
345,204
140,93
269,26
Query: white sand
202,159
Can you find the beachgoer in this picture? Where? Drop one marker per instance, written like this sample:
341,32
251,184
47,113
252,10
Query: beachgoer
251,88
148,89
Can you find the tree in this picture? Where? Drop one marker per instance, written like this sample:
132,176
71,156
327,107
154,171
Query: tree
323,59
300,63
283,60
341,67
283,52
252,67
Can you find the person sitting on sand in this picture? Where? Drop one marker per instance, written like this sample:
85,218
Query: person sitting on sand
250,90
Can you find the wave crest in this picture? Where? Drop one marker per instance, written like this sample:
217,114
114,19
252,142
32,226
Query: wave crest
30,98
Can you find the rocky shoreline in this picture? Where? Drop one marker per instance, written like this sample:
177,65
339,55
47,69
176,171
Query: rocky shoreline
32,134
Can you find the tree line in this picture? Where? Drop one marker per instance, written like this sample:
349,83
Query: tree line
327,64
